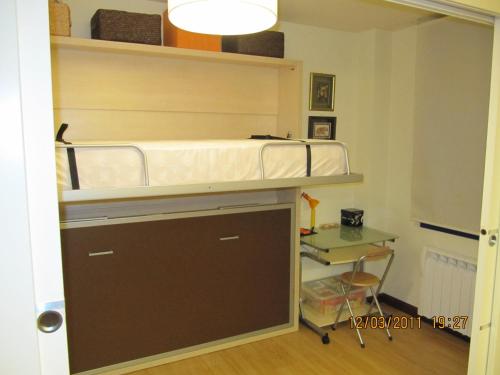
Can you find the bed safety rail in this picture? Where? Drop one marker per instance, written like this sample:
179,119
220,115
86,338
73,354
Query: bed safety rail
307,146
144,159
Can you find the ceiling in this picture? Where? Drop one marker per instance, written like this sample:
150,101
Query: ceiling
350,15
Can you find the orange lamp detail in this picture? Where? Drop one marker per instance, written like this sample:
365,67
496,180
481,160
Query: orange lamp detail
312,205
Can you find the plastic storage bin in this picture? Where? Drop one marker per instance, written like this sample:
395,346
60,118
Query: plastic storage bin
325,295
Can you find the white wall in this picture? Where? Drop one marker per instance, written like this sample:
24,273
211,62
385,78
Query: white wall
359,67
361,106
333,52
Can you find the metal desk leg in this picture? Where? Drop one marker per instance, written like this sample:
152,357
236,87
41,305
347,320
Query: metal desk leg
379,288
325,339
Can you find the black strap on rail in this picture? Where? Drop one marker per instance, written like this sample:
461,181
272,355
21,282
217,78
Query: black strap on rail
73,170
268,136
308,167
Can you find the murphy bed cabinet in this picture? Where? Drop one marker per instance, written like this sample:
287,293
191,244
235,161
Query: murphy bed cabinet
141,287
147,284
145,290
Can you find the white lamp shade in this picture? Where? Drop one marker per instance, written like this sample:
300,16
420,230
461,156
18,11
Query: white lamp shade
223,17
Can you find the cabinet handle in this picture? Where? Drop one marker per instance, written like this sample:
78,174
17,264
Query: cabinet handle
99,253
229,238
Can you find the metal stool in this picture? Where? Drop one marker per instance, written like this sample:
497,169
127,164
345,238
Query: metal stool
358,278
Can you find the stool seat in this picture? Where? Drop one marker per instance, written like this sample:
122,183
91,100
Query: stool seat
362,279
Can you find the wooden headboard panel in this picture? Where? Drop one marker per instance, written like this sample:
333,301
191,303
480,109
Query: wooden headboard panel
105,95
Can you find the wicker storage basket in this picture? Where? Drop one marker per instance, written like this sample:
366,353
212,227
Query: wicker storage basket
123,26
60,18
266,43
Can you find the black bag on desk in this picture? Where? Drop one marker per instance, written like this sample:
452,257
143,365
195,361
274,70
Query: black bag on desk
351,217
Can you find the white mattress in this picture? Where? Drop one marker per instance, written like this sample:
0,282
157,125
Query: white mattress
113,165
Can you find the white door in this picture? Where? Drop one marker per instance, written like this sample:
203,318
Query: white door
484,355
31,272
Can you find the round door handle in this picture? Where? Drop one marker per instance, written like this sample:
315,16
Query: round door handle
49,321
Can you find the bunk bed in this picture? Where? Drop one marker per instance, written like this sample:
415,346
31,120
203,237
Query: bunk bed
110,251
175,248
94,165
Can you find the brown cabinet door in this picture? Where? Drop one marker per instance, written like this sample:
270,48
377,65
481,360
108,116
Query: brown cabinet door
164,285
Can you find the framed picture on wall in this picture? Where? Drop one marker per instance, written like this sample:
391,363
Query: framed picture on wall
322,92
322,127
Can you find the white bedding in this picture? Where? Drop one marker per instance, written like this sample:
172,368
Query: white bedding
112,165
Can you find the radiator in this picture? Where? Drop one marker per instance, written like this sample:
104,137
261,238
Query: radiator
447,290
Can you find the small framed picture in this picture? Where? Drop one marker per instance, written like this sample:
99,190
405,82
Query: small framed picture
322,92
322,127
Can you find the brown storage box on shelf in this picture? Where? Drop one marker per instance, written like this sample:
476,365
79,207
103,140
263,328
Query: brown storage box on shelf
129,27
175,37
60,18
266,43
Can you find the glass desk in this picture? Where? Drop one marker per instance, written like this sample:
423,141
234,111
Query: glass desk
344,236
335,246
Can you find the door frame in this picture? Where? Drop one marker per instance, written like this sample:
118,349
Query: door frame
20,352
484,324
489,308
30,201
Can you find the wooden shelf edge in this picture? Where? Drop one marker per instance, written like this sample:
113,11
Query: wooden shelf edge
83,195
63,42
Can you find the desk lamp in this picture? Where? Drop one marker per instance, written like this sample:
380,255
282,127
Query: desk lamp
312,205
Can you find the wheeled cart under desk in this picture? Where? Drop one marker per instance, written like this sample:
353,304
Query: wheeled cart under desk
336,246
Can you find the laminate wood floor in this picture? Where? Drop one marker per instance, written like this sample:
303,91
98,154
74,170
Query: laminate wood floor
413,351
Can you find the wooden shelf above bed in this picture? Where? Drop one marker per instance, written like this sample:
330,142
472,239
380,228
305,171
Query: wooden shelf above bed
125,91
62,42
205,188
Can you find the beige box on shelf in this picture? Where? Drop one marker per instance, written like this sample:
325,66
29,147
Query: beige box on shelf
60,18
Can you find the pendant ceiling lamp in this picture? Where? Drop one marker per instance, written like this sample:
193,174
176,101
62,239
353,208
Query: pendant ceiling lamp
223,17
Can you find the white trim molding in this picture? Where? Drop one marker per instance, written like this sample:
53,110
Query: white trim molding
444,7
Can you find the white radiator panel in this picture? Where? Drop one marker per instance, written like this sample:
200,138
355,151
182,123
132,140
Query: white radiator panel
447,288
